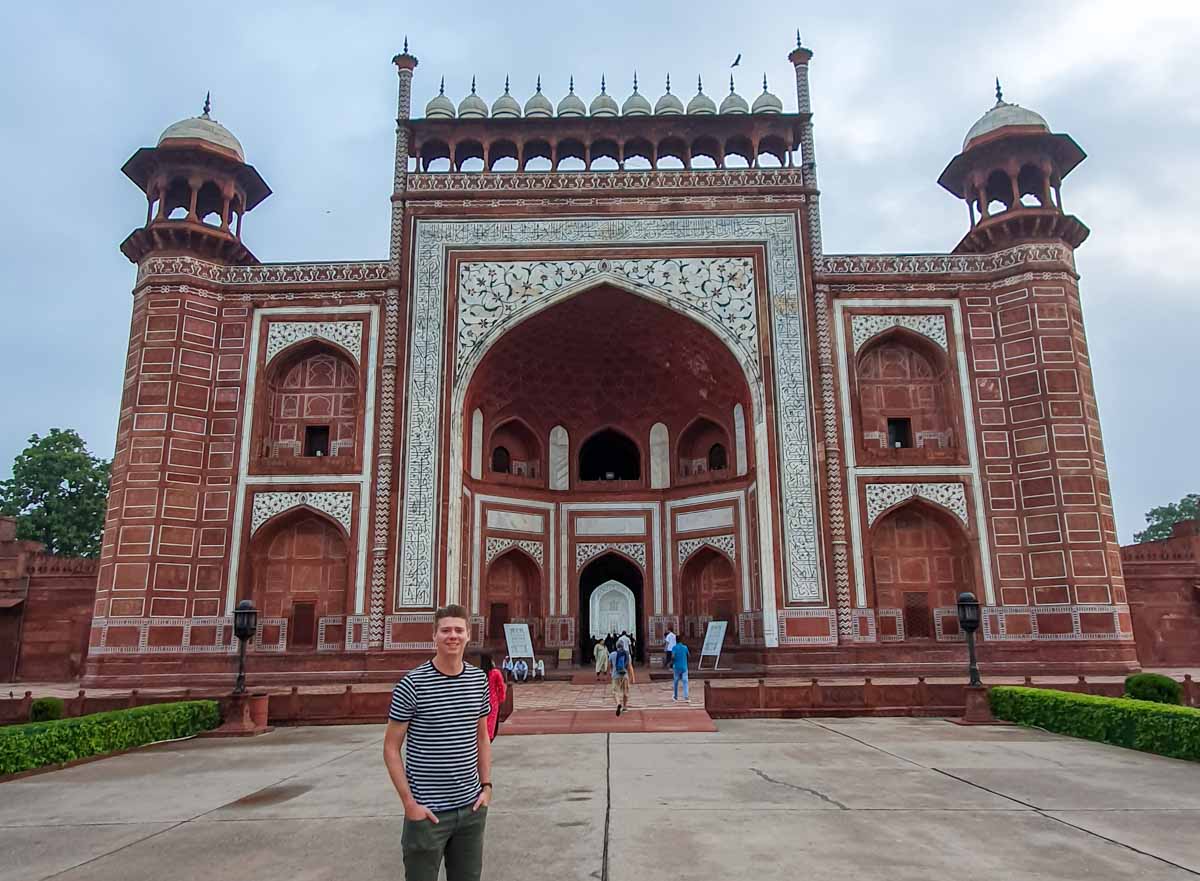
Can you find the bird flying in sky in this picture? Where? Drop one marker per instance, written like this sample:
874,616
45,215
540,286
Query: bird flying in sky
737,60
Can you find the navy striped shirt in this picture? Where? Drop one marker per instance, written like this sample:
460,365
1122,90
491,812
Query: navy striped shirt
441,752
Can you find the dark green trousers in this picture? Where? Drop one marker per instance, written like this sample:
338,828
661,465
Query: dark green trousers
457,836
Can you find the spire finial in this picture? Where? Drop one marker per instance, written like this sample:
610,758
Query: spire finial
764,82
405,44
571,87
442,87
506,84
799,45
539,84
207,103
601,84
472,85
699,84
999,93
635,81
731,84
668,84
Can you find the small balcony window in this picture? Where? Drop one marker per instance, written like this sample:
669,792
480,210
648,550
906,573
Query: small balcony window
900,434
316,440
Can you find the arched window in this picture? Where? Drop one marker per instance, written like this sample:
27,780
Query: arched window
313,404
717,458
904,395
501,460
609,455
522,452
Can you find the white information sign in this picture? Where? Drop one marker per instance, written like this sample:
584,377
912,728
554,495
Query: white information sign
520,645
714,638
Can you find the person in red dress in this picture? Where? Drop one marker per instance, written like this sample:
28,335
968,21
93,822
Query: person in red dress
498,690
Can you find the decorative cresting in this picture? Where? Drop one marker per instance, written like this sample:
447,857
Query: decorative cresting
723,178
588,550
266,273
723,543
497,546
881,496
347,334
720,287
337,505
932,327
942,264
417,543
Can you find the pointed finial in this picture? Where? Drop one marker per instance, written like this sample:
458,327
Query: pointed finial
539,84
571,87
472,85
999,93
442,87
764,82
731,84
699,84
668,84
506,84
601,84
635,81
207,102
405,44
798,43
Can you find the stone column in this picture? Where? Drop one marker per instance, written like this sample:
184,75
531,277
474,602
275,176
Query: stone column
800,57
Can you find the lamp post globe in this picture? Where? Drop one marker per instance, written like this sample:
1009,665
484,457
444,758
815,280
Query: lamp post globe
968,621
245,623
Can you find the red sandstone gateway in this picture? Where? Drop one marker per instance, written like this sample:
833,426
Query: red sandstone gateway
608,380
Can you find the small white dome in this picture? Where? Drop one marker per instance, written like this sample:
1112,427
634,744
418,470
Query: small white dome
701,104
603,104
440,107
1002,115
636,104
472,106
734,103
571,104
539,106
668,104
766,102
506,106
203,128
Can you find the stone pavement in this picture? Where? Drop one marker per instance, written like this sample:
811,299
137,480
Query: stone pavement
846,799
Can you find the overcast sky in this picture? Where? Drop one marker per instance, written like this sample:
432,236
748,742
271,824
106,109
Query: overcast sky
310,92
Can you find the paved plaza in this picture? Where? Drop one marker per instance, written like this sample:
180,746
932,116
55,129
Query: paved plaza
820,799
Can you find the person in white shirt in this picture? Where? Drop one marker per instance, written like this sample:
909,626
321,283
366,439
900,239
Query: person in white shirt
520,670
539,669
669,647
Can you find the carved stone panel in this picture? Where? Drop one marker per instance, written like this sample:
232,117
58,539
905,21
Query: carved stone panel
881,496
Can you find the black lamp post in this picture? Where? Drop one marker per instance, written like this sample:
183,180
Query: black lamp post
245,622
968,620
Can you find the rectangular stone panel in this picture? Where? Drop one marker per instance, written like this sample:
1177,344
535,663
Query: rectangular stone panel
516,521
610,526
695,521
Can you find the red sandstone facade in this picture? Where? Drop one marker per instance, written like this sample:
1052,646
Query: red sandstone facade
578,397
1164,596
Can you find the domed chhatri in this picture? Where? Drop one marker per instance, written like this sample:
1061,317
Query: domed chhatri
571,104
668,104
203,128
734,103
472,106
701,104
636,104
766,102
1004,115
538,106
440,107
603,104
506,106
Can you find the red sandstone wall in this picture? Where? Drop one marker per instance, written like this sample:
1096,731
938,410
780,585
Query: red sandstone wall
1163,580
57,619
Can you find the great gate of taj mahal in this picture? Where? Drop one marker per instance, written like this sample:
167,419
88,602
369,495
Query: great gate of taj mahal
608,378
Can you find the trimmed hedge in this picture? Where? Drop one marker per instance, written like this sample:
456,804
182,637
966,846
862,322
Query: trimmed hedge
1153,687
46,709
23,747
1151,727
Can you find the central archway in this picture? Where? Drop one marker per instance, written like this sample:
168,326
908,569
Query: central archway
613,578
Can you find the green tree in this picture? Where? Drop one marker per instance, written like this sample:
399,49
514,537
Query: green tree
1161,519
58,493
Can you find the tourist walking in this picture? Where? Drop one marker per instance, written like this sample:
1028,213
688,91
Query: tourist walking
679,670
443,778
600,654
610,642
497,689
669,646
622,668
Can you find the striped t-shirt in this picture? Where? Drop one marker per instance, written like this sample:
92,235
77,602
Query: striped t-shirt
441,755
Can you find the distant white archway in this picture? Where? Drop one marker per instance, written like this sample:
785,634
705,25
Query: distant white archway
612,608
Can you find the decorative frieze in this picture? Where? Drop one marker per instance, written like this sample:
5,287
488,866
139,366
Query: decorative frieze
338,505
932,327
881,496
282,334
723,543
585,551
513,182
265,273
942,264
494,547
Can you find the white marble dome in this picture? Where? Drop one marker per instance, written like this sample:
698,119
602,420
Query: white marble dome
571,104
472,106
636,104
538,106
506,106
1001,116
701,104
203,128
603,104
734,103
668,104
440,107
766,102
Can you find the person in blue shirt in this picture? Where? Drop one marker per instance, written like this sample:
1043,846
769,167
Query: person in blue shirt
679,669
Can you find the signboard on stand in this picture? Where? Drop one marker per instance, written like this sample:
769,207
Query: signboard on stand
520,645
714,638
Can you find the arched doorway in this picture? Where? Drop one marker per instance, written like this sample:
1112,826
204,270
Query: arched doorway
921,560
710,593
299,570
613,581
513,594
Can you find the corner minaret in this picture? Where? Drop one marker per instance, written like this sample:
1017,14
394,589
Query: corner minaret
800,58
1010,154
198,187
405,65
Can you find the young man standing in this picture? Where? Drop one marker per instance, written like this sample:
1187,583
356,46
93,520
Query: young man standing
444,778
